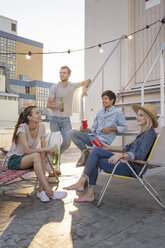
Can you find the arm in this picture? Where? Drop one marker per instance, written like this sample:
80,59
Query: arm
140,148
87,130
112,148
28,150
85,85
109,129
118,156
121,125
51,104
121,122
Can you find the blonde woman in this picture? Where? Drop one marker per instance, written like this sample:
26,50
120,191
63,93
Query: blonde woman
105,159
23,153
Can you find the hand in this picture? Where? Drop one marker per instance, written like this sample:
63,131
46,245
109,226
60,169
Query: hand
105,146
114,158
51,150
60,106
82,129
105,130
84,93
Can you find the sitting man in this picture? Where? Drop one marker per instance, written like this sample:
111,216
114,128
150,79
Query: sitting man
109,120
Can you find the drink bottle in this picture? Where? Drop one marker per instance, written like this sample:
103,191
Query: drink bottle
55,156
62,102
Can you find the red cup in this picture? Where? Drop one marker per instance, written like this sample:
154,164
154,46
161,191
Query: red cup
84,123
97,142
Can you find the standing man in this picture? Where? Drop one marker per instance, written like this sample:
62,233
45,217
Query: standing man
108,122
60,113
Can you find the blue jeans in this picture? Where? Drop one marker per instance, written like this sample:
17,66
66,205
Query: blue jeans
98,158
63,125
81,139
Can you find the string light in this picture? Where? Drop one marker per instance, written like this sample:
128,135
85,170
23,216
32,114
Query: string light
28,56
100,48
129,36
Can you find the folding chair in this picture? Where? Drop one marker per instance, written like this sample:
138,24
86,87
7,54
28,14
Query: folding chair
156,157
9,177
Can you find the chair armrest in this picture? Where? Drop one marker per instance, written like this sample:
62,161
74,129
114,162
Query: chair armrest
135,161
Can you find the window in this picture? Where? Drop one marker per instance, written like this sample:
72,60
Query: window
27,90
13,27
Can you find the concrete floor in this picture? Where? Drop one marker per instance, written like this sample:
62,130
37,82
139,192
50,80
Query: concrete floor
127,218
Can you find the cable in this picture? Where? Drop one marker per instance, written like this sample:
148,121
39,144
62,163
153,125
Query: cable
142,61
90,47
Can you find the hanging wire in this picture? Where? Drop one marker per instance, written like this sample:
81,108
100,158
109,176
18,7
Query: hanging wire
90,47
163,21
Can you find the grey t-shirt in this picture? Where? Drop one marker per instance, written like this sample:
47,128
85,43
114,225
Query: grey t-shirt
33,142
56,92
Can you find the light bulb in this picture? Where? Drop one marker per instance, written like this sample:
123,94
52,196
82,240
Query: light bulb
100,48
28,56
130,37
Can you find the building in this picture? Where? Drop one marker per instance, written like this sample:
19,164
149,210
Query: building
15,66
9,105
106,20
10,42
32,92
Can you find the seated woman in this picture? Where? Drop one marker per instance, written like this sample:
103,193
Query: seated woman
23,153
104,159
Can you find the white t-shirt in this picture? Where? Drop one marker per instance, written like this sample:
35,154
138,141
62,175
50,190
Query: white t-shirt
56,92
33,142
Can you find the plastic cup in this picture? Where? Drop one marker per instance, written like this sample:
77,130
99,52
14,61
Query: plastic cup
84,123
97,142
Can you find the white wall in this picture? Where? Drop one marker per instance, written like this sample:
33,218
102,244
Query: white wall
8,111
2,83
105,20
5,24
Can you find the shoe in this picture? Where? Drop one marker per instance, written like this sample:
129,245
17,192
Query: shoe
58,195
43,196
82,160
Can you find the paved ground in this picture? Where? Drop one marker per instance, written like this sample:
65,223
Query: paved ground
127,218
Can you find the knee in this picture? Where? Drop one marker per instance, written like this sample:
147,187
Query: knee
95,150
36,156
73,133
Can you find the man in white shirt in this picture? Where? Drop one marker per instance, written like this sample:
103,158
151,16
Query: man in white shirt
60,120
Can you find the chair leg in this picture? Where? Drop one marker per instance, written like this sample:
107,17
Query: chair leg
54,172
4,161
106,185
153,193
149,189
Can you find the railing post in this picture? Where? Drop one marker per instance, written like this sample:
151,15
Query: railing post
146,79
162,87
81,108
98,72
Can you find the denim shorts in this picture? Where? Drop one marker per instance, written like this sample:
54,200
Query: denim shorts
14,162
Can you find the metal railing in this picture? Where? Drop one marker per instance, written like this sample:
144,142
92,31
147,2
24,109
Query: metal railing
101,68
161,56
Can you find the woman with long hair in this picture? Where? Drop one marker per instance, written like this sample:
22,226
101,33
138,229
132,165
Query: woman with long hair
105,159
23,153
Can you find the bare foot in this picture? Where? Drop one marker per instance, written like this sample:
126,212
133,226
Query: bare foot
75,186
85,198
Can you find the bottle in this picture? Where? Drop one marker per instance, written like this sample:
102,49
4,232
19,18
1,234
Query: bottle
62,102
55,156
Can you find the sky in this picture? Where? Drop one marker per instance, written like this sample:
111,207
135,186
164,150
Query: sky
58,24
